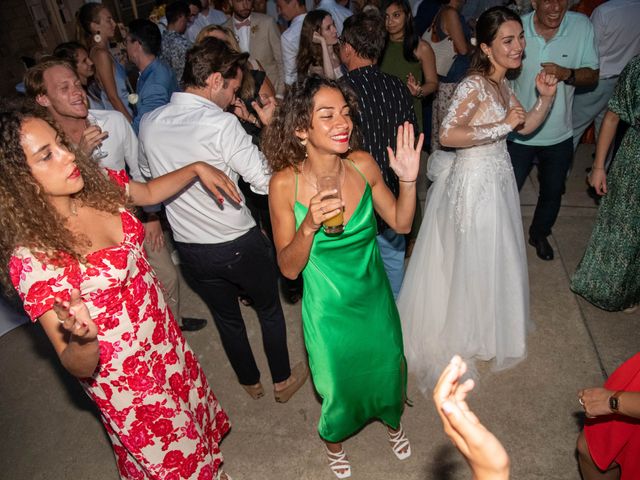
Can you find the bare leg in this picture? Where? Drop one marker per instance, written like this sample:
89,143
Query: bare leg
588,468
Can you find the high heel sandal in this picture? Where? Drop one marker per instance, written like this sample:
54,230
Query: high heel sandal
339,463
400,443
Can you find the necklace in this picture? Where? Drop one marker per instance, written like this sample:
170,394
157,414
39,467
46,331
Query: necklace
340,174
73,208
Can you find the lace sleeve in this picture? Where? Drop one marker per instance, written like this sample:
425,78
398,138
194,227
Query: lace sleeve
456,130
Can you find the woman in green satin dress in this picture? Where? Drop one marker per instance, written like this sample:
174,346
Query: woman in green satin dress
351,324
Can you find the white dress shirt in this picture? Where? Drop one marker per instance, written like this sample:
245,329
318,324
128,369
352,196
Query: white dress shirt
243,33
191,128
121,146
290,42
338,12
615,24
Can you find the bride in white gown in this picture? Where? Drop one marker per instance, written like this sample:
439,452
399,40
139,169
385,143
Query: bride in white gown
466,289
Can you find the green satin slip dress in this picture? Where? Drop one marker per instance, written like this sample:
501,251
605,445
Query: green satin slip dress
351,327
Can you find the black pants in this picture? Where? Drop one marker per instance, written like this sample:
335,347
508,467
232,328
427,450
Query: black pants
217,273
554,162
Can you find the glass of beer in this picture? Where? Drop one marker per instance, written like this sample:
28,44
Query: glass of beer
335,224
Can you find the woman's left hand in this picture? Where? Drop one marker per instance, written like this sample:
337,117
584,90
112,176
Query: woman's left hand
546,83
595,401
216,180
405,162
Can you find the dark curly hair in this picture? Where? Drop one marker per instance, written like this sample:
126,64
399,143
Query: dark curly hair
279,142
27,219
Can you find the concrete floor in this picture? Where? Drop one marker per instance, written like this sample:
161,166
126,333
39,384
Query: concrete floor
50,431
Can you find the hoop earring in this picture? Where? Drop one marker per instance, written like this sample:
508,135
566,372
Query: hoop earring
97,38
303,142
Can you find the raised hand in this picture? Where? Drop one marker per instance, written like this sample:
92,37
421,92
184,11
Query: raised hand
216,180
482,450
405,162
75,318
317,38
546,83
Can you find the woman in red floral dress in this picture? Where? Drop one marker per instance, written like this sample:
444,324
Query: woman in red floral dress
75,256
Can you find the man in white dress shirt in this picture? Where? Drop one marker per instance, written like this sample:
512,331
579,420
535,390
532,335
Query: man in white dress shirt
337,11
207,16
258,35
55,86
615,25
292,11
222,251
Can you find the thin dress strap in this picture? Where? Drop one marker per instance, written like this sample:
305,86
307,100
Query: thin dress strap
295,198
357,170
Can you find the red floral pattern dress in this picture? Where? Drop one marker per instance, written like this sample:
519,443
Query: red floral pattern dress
163,419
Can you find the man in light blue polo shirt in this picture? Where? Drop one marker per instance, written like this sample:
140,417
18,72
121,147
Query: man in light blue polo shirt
563,44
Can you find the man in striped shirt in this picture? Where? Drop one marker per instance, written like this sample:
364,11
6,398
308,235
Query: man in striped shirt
384,103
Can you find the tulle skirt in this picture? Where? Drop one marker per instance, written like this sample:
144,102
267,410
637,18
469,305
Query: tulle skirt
466,289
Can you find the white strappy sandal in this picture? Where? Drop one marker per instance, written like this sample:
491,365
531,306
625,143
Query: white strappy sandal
400,444
339,463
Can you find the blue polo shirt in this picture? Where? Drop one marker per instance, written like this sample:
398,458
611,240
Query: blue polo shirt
573,46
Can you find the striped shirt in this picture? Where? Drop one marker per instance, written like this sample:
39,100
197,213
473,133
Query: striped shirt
384,102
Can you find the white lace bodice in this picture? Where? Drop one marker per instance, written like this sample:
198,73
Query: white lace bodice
476,115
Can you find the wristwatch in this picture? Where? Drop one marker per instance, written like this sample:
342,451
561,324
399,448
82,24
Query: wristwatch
614,402
571,79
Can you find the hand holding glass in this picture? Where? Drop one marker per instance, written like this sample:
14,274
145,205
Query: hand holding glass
98,153
335,224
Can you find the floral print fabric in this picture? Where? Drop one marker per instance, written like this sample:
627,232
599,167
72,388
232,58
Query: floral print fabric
156,405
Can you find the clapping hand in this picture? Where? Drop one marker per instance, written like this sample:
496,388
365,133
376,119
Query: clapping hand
546,83
405,162
75,318
483,451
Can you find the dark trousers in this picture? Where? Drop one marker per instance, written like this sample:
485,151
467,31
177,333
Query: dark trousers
217,273
554,162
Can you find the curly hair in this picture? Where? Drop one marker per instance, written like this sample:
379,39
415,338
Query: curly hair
27,219
279,142
310,53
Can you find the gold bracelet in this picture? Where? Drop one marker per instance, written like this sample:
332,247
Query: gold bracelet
407,181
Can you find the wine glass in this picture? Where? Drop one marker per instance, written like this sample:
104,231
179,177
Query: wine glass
98,152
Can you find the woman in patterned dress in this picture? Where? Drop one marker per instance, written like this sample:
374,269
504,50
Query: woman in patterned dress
608,274
74,254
